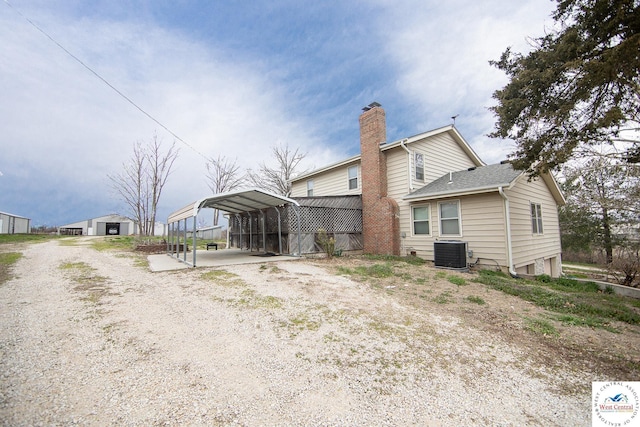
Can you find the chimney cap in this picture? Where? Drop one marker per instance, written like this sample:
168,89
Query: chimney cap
372,105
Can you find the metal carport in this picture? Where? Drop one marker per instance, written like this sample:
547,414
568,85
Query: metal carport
236,202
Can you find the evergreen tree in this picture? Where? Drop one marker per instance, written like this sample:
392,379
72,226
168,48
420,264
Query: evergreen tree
578,87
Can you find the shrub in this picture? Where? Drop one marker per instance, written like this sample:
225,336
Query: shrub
625,267
327,243
544,278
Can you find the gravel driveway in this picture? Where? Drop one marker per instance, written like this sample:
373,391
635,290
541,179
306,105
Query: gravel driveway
93,338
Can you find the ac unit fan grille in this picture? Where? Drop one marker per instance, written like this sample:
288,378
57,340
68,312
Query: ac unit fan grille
450,254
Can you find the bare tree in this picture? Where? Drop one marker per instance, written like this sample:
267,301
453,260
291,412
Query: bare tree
277,179
603,203
160,165
222,175
130,184
142,179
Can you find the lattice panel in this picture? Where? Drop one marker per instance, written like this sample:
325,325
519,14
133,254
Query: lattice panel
341,218
333,220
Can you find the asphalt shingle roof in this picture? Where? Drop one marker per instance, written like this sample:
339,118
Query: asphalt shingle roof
479,178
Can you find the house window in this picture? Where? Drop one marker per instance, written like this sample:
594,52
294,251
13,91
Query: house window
420,220
353,177
536,218
419,162
450,218
310,188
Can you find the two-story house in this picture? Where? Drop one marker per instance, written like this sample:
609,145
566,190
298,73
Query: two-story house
421,192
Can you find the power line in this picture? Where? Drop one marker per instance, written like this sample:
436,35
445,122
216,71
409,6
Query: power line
95,73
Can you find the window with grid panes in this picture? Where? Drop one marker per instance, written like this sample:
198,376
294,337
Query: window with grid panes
450,218
353,177
420,216
536,218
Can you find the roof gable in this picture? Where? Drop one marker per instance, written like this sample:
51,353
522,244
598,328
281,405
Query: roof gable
15,216
451,130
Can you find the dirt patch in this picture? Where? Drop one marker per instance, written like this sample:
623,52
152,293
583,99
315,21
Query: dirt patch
92,338
156,248
608,354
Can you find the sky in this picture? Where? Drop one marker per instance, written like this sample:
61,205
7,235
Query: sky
233,79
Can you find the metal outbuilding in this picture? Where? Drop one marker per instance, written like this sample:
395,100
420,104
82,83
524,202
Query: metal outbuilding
237,202
107,225
14,224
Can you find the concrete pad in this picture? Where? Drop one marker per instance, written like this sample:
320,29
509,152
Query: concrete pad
213,258
163,262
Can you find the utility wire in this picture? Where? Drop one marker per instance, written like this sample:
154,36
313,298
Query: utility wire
95,73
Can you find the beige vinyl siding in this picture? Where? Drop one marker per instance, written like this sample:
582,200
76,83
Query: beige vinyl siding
334,182
442,155
482,224
397,175
299,188
397,188
527,247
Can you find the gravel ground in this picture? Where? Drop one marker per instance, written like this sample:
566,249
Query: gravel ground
93,338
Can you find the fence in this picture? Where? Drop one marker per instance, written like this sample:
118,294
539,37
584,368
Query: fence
276,229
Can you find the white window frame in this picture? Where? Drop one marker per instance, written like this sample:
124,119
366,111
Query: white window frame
428,220
458,218
415,167
310,188
537,227
351,178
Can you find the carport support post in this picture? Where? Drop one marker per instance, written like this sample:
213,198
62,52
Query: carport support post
173,238
184,256
176,237
264,231
250,232
168,236
279,230
228,230
297,211
194,241
241,241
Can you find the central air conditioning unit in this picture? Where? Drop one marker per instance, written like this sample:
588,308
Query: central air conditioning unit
450,254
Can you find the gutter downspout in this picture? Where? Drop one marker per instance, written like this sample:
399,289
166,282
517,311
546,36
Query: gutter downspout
408,163
512,272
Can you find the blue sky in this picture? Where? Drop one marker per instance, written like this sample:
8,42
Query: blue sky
234,79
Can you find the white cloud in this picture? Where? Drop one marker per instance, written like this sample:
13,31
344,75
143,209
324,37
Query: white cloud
441,53
68,130
71,129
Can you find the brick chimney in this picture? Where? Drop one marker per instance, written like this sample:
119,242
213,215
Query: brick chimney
380,214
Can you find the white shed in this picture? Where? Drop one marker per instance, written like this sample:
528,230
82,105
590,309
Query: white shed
14,224
108,225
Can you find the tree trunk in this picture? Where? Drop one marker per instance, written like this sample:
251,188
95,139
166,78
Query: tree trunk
606,237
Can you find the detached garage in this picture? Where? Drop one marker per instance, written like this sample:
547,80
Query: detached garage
14,224
108,225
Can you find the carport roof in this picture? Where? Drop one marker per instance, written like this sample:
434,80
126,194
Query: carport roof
233,202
